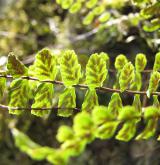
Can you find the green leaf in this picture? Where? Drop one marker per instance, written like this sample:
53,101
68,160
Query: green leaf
115,104
137,103
84,126
26,145
91,3
33,85
88,19
120,61
140,62
149,131
58,1
23,142
65,133
18,95
137,83
138,2
70,68
90,100
67,102
96,70
43,99
130,116
60,157
66,3
100,115
44,67
151,115
15,67
105,122
156,101
156,66
105,56
98,10
127,76
152,26
75,7
151,112
127,132
150,10
41,153
104,17
153,83
107,130
128,113
2,84
74,147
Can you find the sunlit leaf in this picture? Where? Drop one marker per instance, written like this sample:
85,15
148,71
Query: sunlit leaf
96,70
130,115
15,67
126,76
43,99
67,102
70,68
90,100
44,67
115,104
140,62
105,121
64,133
18,96
151,117
153,83
84,126
120,61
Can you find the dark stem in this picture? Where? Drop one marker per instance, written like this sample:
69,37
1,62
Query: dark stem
36,109
101,89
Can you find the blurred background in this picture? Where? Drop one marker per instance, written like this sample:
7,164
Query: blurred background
27,26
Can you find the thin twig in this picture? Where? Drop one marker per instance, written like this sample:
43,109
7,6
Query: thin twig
107,24
101,89
74,112
35,109
11,34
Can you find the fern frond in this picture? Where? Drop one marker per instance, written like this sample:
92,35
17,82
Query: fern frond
38,82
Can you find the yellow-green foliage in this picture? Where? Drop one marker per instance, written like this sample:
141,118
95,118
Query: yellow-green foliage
87,127
45,65
95,9
96,70
70,68
127,76
38,82
67,101
153,82
94,121
23,24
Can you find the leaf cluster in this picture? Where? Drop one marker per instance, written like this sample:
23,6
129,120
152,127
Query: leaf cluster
102,123
37,82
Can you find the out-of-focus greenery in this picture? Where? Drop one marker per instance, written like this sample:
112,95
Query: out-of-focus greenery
25,26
